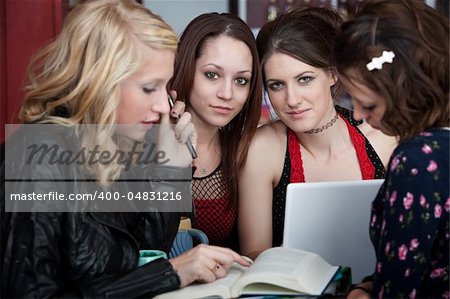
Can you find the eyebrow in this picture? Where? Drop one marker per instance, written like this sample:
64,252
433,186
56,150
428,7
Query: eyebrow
304,73
295,77
153,81
221,68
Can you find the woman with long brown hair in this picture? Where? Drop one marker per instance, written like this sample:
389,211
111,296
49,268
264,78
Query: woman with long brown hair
218,75
314,139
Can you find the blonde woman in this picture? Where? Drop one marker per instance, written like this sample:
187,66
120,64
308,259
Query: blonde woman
107,70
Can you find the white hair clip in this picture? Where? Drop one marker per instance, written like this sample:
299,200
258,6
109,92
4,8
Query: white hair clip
377,62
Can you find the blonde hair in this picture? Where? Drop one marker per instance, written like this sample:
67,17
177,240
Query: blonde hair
102,43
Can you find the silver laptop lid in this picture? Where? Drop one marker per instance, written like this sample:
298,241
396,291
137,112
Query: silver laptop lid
332,220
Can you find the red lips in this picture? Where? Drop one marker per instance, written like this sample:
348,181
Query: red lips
149,124
222,110
297,113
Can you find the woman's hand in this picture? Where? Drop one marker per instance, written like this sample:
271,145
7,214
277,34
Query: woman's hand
172,138
205,263
178,108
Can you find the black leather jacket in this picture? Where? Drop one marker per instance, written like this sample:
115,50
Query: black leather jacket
84,254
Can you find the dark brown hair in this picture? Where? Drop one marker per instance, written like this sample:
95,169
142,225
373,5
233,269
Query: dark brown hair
236,136
305,33
415,85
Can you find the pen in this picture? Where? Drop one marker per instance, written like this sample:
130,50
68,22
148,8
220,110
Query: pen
188,142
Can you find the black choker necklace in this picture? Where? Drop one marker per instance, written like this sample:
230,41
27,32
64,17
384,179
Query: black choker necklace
324,127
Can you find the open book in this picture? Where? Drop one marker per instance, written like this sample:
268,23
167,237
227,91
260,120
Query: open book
276,271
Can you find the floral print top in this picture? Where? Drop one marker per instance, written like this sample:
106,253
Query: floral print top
410,220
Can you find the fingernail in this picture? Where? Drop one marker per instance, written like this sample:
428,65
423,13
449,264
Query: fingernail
247,259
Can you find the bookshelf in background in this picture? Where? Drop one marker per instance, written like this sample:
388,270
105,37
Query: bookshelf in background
257,12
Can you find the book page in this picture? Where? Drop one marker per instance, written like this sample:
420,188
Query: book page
297,270
220,287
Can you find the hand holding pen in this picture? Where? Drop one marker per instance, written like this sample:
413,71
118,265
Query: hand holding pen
177,116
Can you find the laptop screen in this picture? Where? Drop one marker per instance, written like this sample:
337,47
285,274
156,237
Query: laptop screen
332,220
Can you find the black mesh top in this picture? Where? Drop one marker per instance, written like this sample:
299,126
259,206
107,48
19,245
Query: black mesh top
213,213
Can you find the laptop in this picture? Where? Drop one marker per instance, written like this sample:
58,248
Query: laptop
332,220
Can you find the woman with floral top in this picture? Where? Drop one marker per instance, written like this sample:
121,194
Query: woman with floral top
393,59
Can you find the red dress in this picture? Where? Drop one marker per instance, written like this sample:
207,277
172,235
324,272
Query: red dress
358,140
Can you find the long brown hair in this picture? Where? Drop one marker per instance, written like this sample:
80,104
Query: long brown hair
235,137
305,33
415,86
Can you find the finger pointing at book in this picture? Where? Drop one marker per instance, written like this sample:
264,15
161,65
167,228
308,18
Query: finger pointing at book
205,263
